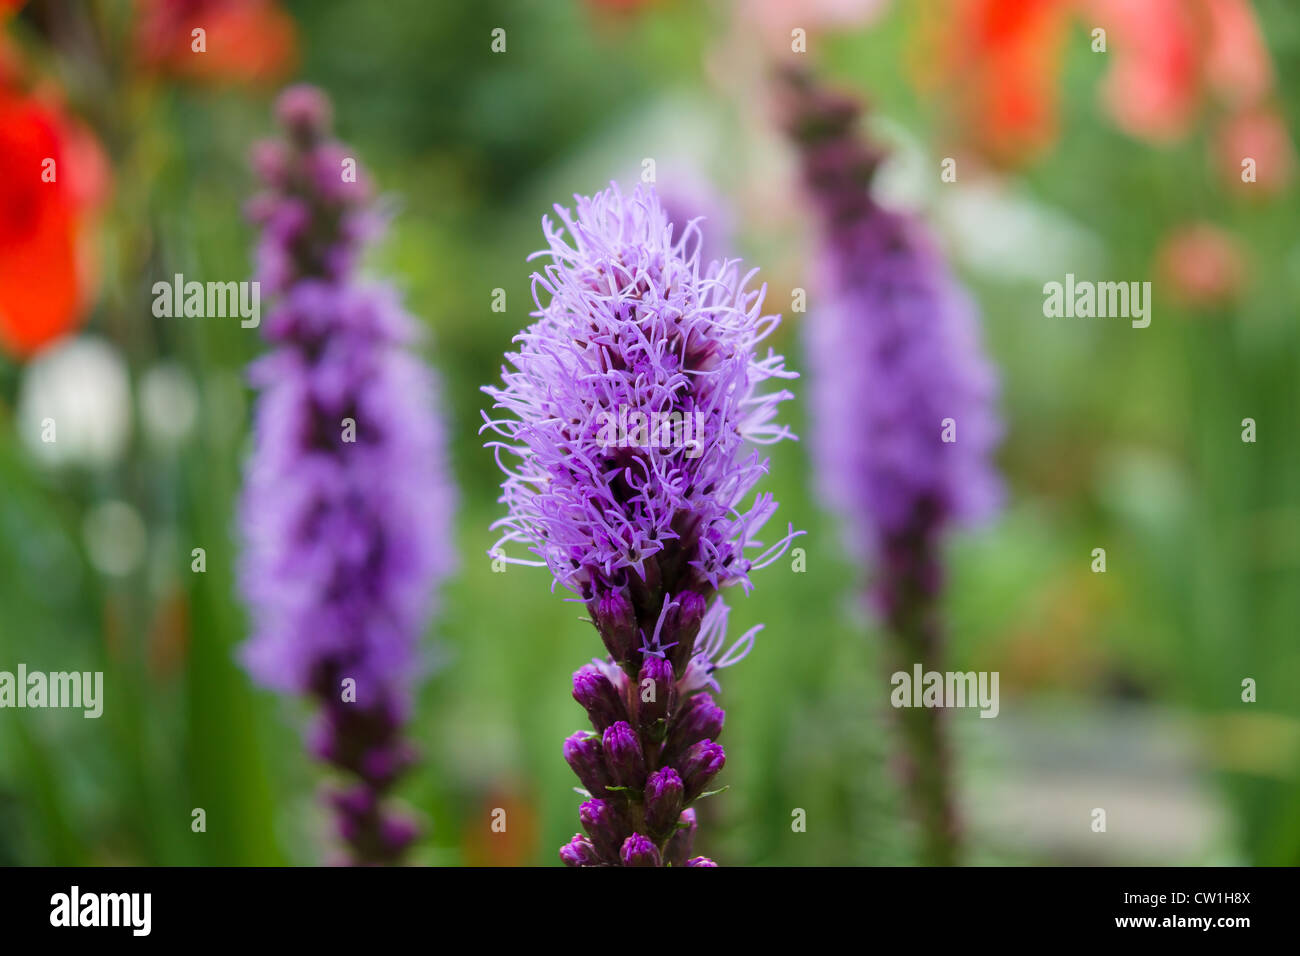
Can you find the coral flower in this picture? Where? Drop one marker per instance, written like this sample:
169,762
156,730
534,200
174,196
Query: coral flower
1202,266
1175,60
251,41
1153,89
1260,137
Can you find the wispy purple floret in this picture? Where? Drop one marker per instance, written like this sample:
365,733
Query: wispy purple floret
904,410
632,412
346,506
631,323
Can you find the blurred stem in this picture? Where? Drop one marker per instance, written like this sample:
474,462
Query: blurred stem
909,593
49,808
927,759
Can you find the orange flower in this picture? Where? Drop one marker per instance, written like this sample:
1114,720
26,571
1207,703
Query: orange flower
508,836
52,176
250,41
995,65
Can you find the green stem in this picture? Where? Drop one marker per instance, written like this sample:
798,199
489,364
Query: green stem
927,760
911,592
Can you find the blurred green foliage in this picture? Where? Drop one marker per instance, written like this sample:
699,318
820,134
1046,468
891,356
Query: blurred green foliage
1122,439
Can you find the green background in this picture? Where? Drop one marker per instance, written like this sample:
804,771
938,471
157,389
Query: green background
1120,691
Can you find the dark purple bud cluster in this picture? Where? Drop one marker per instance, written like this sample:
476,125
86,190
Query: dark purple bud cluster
652,752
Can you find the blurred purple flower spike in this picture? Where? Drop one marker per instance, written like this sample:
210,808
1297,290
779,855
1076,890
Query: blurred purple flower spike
347,502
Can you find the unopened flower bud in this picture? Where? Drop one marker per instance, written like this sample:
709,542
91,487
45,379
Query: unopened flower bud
304,111
616,621
700,765
582,752
655,694
687,621
683,838
397,833
579,852
639,851
605,824
663,801
598,696
624,761
699,718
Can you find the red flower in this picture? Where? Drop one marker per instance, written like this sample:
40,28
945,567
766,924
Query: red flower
52,176
251,41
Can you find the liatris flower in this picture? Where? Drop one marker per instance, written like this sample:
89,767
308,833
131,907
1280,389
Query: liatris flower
347,504
645,524
903,406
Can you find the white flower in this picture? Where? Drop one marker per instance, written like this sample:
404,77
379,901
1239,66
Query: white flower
169,404
74,405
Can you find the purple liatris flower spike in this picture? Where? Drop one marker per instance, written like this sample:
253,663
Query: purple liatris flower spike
904,419
346,506
635,403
